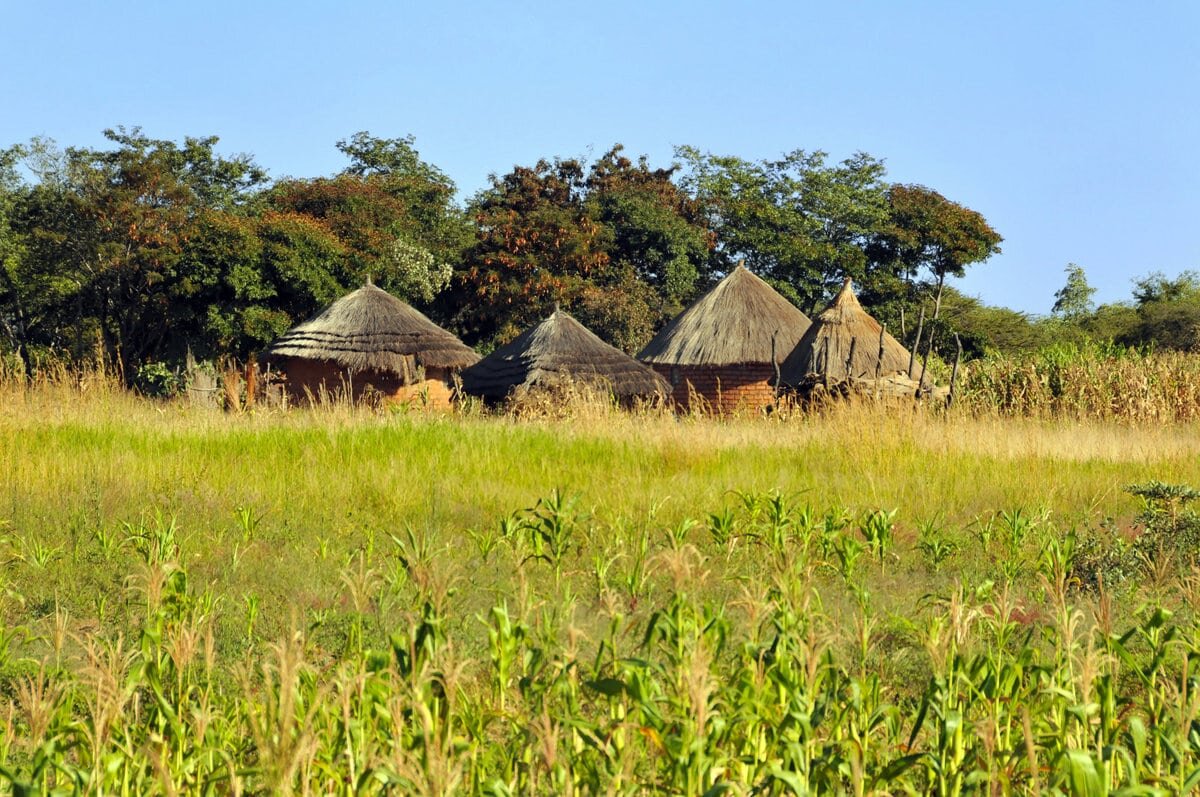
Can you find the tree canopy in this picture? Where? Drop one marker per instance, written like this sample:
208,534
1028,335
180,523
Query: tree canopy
617,243
144,248
1074,300
799,222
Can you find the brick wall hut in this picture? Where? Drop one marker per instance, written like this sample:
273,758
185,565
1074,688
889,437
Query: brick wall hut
558,351
846,346
724,349
370,342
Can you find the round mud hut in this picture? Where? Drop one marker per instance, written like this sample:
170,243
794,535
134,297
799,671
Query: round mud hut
370,343
844,345
561,351
723,351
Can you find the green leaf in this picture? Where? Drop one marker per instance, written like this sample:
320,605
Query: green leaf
610,687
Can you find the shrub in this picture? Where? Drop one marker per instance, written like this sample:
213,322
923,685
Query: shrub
156,380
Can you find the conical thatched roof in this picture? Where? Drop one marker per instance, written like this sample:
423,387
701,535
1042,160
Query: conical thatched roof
733,323
825,349
561,348
370,329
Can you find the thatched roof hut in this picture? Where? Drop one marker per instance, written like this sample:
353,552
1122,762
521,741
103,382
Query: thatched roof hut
370,338
724,349
844,343
556,351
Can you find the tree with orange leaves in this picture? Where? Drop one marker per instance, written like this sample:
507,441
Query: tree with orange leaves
616,243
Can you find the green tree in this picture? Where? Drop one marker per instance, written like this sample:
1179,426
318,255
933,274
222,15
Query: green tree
657,230
1168,311
104,235
433,219
799,222
537,245
394,213
1073,301
1158,288
616,242
985,329
12,320
927,232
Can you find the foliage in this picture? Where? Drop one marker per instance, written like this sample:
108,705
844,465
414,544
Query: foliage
985,329
1164,313
11,308
1168,311
616,243
157,380
801,684
105,239
1074,300
1171,526
393,213
149,247
926,231
798,221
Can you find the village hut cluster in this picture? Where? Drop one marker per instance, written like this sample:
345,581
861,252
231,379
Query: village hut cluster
737,348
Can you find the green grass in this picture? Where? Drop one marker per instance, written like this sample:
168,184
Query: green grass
374,551
78,465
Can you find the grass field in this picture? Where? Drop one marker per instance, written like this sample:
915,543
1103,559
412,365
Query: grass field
859,600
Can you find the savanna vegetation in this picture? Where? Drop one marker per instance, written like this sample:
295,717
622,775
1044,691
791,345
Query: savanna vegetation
860,599
990,597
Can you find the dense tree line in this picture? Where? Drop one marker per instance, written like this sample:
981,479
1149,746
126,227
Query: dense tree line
144,248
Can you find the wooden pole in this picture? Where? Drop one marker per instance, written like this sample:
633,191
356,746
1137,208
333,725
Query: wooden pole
251,381
925,361
850,360
912,353
231,383
879,358
825,363
775,363
954,370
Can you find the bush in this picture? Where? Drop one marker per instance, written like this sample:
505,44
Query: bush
1172,527
1170,536
156,380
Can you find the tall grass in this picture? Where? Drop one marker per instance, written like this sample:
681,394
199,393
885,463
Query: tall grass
861,600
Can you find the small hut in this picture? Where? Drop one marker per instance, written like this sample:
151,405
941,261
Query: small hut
845,345
725,349
561,350
370,342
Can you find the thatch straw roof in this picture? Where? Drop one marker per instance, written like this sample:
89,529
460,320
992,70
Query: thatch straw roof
741,320
556,350
370,329
843,343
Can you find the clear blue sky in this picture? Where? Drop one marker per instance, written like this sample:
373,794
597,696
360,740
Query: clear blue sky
1072,126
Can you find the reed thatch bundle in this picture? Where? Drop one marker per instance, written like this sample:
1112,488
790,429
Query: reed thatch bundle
371,330
741,320
844,343
557,350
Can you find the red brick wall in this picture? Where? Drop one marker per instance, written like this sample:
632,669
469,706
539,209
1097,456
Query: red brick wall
724,389
305,377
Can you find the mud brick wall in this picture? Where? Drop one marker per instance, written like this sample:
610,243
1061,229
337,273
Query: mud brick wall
724,389
305,377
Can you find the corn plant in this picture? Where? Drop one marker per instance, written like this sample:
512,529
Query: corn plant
934,544
705,671
879,530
